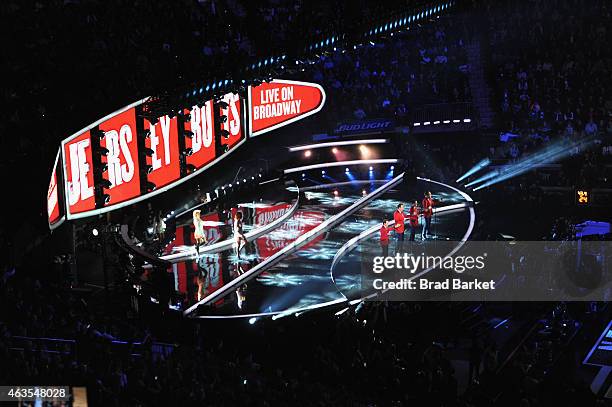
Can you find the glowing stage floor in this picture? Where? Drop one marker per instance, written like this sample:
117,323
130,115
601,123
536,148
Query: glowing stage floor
303,280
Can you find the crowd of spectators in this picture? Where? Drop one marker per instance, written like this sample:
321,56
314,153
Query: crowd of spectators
387,77
72,61
106,57
551,61
367,356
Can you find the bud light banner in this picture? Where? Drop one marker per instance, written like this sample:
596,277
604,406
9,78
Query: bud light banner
278,103
364,127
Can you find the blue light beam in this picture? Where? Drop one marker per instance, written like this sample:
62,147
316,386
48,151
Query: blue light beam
480,165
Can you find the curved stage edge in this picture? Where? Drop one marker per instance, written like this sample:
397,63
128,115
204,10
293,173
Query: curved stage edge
296,245
466,204
228,243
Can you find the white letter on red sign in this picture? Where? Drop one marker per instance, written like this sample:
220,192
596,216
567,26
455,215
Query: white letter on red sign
127,169
234,122
79,189
117,143
201,126
114,165
165,126
155,161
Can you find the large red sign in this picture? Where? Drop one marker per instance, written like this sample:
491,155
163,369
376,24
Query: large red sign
278,103
234,123
79,174
301,222
163,141
122,159
53,196
271,105
268,214
202,143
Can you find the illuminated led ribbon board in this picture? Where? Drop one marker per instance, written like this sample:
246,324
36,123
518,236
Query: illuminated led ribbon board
114,147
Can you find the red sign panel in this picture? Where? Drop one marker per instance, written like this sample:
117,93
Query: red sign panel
79,174
122,163
122,160
278,103
202,144
301,222
53,196
268,214
163,141
234,123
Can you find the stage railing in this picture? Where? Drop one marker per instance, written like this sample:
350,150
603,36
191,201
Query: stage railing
68,346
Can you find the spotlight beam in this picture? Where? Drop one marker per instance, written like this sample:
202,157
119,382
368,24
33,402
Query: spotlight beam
480,165
548,155
488,175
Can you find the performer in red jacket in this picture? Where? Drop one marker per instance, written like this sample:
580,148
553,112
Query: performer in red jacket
427,206
384,237
399,218
413,216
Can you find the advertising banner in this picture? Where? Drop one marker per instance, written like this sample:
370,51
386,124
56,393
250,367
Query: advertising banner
55,214
122,159
234,122
364,127
271,105
202,144
302,222
278,103
78,170
163,141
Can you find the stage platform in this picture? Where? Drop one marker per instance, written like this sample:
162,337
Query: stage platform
324,271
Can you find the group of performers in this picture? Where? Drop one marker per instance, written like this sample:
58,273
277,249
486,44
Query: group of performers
200,234
399,222
399,225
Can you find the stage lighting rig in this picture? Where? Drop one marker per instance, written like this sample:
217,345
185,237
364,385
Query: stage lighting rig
190,168
145,154
221,104
149,186
100,166
220,107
